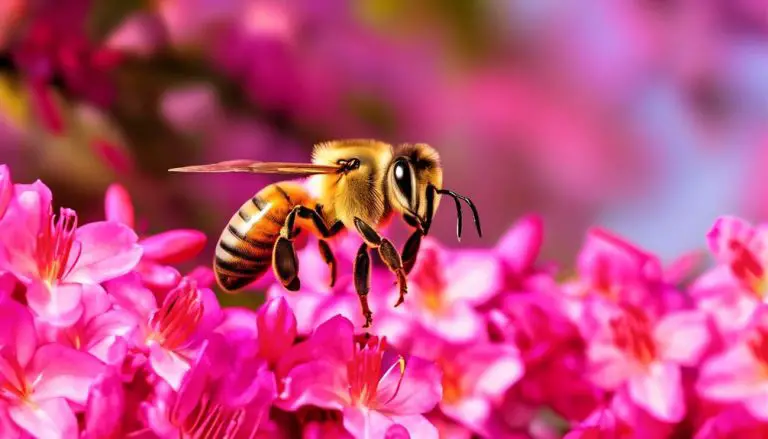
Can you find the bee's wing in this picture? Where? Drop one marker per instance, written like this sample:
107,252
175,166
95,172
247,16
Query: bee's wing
254,167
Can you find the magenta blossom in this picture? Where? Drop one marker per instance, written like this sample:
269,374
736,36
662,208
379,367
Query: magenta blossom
444,289
97,331
646,356
372,386
38,382
172,334
738,375
223,395
475,379
732,291
55,258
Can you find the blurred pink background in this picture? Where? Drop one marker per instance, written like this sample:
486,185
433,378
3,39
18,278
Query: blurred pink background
647,117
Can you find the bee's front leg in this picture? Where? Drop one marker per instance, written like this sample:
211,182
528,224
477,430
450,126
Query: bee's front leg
411,250
388,254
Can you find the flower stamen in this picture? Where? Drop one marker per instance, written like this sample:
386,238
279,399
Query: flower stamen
54,245
632,333
178,318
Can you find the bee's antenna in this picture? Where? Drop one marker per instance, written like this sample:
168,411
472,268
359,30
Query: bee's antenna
476,216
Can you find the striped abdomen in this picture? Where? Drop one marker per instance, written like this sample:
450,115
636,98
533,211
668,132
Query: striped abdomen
244,250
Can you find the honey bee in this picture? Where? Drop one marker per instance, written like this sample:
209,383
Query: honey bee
362,185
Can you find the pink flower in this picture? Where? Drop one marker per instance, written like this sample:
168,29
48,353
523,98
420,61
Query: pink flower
738,374
372,387
38,382
646,356
55,258
98,329
475,378
223,395
444,289
170,335
733,290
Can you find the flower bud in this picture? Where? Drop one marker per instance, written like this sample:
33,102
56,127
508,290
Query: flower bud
277,329
174,246
118,206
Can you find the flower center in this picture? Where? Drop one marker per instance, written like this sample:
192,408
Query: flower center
453,391
632,334
174,323
13,384
430,281
54,244
364,371
748,269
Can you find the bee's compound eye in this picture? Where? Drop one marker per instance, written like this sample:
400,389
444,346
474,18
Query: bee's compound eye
403,179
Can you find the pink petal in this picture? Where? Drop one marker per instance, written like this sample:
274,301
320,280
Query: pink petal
6,189
277,329
417,426
521,245
491,368
104,330
59,305
610,258
168,365
17,330
683,337
239,327
130,294
419,392
609,367
725,230
158,276
49,419
459,323
62,372
109,250
250,383
321,383
397,431
195,382
118,206
472,412
757,405
7,426
212,313
173,246
105,407
473,276
95,301
732,376
139,34
659,392
372,424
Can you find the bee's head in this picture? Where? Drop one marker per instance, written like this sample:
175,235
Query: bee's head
412,177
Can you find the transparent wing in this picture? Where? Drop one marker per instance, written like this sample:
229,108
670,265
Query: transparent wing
254,167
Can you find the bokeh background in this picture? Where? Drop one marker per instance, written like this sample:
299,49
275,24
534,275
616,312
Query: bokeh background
649,117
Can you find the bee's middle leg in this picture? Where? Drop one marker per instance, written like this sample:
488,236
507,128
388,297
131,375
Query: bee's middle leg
388,254
411,250
362,278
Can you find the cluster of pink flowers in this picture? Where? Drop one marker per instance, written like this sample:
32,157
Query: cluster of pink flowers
101,337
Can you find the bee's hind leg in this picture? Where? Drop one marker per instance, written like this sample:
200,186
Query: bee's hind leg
362,272
388,254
